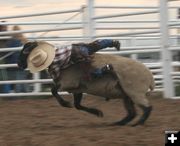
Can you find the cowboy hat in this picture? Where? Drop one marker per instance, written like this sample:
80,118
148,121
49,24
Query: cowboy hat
41,57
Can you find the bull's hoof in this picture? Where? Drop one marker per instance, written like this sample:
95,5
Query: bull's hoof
147,112
96,112
119,123
66,104
124,121
137,124
100,114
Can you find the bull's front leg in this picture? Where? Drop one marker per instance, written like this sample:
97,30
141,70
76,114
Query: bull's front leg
61,101
77,104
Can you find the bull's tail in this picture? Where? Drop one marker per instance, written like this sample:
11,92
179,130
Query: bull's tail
152,85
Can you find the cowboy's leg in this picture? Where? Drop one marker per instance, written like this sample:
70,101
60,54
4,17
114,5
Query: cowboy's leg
84,50
102,44
99,72
98,45
80,53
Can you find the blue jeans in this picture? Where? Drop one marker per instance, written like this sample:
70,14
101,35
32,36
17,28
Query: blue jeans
104,43
97,73
94,47
100,44
16,74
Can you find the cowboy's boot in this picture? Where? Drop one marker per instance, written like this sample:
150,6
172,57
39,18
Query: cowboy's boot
116,44
100,72
108,69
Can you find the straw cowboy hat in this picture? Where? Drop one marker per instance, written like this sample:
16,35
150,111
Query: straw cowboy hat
41,57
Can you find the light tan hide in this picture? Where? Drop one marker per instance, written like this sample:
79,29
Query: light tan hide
135,79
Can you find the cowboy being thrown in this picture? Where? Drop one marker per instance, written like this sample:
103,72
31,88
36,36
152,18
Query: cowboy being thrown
38,56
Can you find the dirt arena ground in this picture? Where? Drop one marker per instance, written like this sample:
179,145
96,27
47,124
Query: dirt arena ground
42,122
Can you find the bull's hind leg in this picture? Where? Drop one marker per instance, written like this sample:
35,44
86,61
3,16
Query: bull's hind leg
146,114
77,104
129,106
143,103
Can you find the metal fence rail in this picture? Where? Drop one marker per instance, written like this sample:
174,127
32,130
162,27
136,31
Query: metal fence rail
41,14
91,24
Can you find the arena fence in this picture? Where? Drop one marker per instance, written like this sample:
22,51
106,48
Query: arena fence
166,71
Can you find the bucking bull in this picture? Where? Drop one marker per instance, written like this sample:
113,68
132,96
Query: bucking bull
127,79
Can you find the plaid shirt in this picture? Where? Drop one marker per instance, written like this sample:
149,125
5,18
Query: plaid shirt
61,61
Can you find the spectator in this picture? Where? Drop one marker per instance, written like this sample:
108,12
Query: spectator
3,73
17,40
2,40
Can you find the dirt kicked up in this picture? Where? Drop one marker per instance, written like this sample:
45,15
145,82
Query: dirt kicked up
42,122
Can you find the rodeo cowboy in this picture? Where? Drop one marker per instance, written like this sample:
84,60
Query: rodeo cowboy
38,56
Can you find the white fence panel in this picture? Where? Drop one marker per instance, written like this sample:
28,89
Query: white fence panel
96,27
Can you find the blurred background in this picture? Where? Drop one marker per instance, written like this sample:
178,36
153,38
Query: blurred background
149,32
144,29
